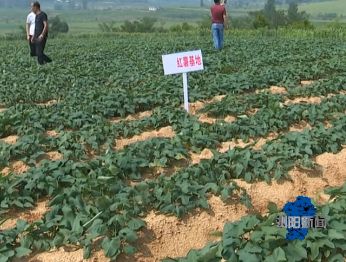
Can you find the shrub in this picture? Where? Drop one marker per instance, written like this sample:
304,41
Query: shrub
57,26
181,28
144,25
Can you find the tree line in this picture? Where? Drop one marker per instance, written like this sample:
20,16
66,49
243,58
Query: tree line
269,17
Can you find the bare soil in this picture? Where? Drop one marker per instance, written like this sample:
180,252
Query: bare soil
262,141
217,98
48,103
17,167
230,119
252,111
194,109
66,254
174,166
10,139
278,90
205,154
196,106
133,117
52,133
28,215
311,184
53,156
306,82
168,236
327,124
204,118
165,132
301,100
226,146
299,127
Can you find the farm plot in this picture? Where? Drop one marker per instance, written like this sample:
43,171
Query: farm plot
98,153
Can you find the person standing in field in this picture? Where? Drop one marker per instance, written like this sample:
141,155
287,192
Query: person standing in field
41,33
30,30
219,16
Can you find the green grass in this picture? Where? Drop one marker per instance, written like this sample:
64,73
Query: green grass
334,6
9,20
81,21
87,21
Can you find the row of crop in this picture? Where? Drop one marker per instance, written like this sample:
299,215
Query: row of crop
80,78
73,115
94,199
101,135
272,119
322,87
241,103
280,155
257,238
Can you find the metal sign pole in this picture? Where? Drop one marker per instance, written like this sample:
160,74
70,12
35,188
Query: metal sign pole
186,93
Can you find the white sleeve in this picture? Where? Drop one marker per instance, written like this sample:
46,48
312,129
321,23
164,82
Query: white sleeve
28,19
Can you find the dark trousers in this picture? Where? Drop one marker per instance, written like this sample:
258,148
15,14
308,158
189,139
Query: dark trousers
32,47
41,57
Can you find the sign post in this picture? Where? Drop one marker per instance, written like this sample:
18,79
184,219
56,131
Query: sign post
186,92
183,63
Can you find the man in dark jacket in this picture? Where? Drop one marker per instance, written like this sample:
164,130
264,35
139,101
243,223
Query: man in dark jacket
41,33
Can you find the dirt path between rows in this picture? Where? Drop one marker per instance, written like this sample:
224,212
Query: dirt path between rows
165,132
168,236
133,117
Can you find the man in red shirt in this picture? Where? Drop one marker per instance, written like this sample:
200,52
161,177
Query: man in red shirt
218,15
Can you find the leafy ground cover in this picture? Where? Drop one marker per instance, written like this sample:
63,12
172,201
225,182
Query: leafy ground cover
255,238
57,123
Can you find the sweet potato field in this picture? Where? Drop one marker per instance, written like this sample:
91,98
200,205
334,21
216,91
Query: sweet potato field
99,161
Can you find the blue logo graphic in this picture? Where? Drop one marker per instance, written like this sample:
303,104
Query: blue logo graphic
300,216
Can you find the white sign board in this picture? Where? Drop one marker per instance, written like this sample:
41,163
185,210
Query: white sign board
184,62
